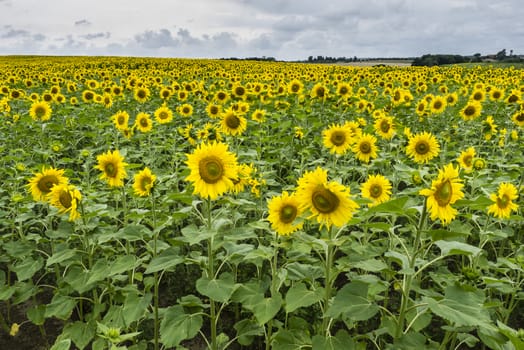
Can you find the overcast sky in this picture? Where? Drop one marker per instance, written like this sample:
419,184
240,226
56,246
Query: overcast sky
284,29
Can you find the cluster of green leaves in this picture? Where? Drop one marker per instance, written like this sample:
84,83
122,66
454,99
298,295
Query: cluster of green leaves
177,271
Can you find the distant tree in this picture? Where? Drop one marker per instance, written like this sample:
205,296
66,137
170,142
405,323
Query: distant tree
501,54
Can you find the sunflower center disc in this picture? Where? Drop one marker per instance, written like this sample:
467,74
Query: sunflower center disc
211,169
375,191
338,138
232,121
365,147
110,170
40,112
468,160
121,120
422,148
502,202
384,126
46,183
469,111
443,193
288,214
325,201
144,122
65,199
145,184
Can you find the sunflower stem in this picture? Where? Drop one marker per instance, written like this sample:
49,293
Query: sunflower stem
210,275
326,322
408,278
155,274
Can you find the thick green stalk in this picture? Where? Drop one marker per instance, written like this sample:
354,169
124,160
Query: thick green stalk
328,282
155,276
211,274
408,279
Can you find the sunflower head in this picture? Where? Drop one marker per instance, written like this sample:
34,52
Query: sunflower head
283,213
365,147
338,138
503,204
40,110
329,202
377,188
66,198
422,147
41,184
144,182
212,169
112,167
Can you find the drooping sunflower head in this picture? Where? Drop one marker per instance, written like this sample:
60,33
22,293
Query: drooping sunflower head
144,182
503,200
365,147
41,184
338,138
66,198
112,166
465,159
444,191
284,212
377,188
422,147
212,169
40,111
329,203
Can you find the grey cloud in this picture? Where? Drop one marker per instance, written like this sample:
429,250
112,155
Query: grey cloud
82,22
38,37
156,39
99,35
14,33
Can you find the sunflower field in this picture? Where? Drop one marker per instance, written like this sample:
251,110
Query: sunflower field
213,204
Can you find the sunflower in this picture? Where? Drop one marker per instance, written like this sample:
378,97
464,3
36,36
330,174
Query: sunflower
141,94
121,120
107,100
518,117
489,127
422,147
163,114
319,91
244,177
283,212
384,127
212,169
213,110
185,110
437,105
471,110
165,93
232,123
143,122
221,96
112,166
344,90
298,132
479,163
503,199
295,87
259,115
465,159
88,96
478,95
337,138
365,147
329,202
40,111
452,99
238,91
65,198
444,191
189,133
377,188
41,184
496,94
144,182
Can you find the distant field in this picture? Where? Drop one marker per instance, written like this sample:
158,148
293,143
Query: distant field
399,63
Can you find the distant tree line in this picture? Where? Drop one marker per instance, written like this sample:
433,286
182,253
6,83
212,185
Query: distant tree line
440,59
263,58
